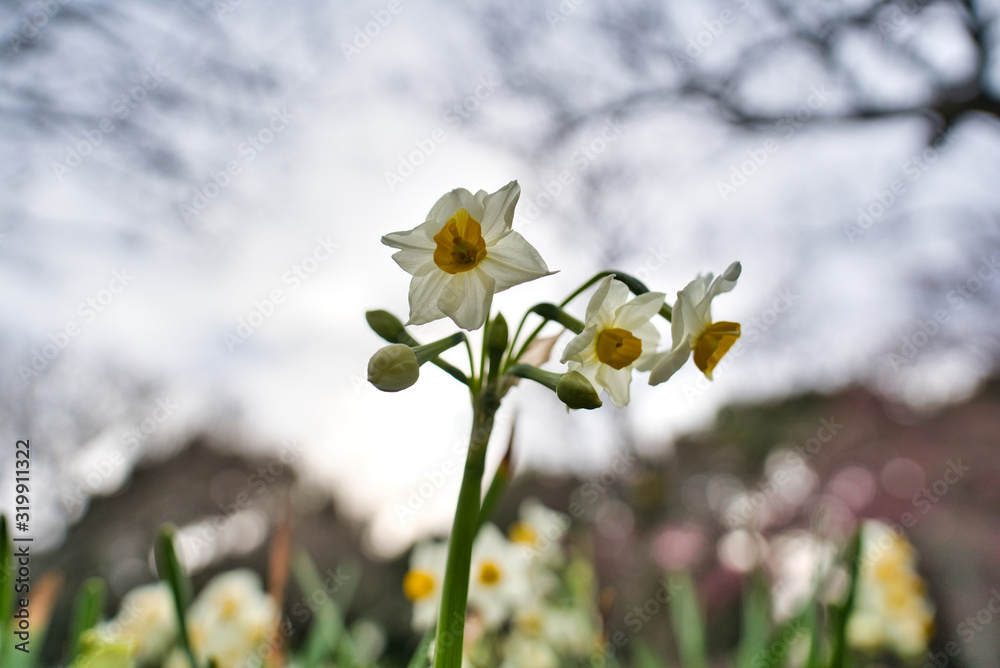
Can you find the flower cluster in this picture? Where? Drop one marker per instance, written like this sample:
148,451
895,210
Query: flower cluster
459,257
145,621
530,603
231,621
891,608
466,251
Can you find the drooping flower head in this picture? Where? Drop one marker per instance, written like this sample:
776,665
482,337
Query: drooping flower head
618,336
463,254
692,329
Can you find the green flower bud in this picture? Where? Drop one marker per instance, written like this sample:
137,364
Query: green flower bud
393,368
574,390
387,326
496,343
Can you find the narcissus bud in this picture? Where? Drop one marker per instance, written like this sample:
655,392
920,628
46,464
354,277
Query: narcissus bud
393,368
574,390
386,325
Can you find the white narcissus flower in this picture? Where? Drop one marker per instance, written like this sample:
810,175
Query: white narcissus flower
618,335
498,579
540,531
890,607
423,582
463,254
232,619
146,619
692,329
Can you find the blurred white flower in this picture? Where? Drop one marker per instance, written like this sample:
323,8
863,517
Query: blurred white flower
891,608
232,619
423,582
539,531
618,335
463,254
692,329
498,578
569,632
521,650
146,618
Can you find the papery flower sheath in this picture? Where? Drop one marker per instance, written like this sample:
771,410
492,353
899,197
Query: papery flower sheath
618,335
463,254
692,329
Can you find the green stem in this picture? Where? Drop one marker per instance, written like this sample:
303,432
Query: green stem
548,312
455,595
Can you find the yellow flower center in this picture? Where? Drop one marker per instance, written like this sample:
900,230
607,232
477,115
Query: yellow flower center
713,343
618,347
228,608
489,574
460,244
523,533
418,585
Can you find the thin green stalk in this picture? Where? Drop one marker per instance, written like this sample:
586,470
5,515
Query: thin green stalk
454,597
472,364
576,293
549,312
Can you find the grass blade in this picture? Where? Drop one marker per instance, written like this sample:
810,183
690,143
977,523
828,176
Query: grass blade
169,568
689,629
88,610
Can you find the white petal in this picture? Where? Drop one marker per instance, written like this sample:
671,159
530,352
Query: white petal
669,363
588,369
578,344
467,297
650,337
420,238
415,262
678,331
512,260
616,382
425,290
459,198
498,211
695,315
609,297
637,312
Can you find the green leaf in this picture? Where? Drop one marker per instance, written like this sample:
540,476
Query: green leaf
814,620
756,621
170,570
421,658
326,634
88,610
840,615
95,653
685,615
644,656
6,574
